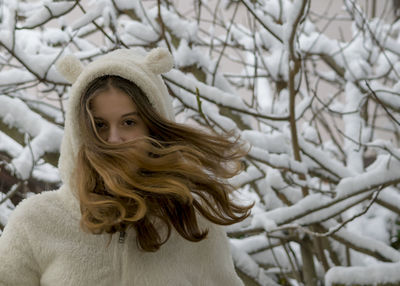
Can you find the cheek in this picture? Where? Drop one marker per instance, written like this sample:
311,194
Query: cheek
136,133
103,134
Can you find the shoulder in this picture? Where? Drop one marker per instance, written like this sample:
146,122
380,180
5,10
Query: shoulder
216,237
36,203
26,219
41,217
214,229
34,208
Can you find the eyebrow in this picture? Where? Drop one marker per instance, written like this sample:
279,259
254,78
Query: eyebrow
122,116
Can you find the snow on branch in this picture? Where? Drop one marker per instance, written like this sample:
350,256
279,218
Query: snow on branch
315,104
45,13
364,275
40,136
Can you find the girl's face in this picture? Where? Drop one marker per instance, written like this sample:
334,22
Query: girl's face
116,117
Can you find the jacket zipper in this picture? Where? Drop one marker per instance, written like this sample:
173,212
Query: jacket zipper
118,258
122,264
122,235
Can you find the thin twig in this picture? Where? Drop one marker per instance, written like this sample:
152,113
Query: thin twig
224,46
381,103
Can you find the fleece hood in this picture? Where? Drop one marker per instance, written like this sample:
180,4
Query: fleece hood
141,67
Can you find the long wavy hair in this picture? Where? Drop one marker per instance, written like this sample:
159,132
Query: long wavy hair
175,174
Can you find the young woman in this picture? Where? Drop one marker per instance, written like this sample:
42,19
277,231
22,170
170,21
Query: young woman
142,198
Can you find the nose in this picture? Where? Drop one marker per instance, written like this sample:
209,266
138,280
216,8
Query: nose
114,136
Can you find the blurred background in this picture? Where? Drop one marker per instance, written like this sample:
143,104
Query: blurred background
312,86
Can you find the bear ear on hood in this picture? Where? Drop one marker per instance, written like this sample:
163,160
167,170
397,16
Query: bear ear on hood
70,67
159,61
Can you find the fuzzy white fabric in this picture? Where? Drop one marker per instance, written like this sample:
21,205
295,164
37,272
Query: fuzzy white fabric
70,67
42,243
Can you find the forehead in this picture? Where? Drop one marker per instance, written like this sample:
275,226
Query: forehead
111,101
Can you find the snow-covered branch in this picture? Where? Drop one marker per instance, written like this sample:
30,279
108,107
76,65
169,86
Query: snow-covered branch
319,113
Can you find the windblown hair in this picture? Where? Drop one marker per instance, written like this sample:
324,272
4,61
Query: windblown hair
154,183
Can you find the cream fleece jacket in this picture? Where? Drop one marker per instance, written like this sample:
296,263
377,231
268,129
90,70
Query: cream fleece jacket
42,243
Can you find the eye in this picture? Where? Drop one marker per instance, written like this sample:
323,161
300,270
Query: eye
100,124
129,122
